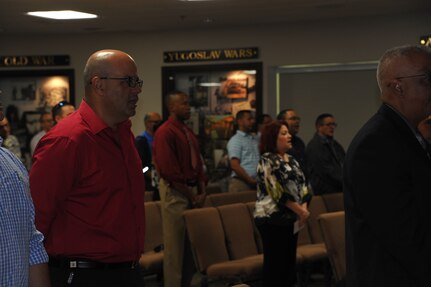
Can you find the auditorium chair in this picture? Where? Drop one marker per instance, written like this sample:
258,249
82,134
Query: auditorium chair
152,259
332,226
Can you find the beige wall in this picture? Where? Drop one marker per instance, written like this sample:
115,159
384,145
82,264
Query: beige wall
361,39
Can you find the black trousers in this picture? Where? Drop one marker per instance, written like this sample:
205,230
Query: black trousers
279,255
65,277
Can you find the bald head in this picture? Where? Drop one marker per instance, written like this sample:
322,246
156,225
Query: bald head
112,86
398,62
102,63
151,119
404,81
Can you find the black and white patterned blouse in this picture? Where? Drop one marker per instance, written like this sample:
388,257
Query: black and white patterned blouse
278,181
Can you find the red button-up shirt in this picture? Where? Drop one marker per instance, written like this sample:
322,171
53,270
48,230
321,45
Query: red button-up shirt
88,190
171,153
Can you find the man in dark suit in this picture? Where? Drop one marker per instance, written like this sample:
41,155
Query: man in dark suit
325,157
386,179
293,121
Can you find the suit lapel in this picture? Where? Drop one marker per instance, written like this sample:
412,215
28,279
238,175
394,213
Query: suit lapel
406,134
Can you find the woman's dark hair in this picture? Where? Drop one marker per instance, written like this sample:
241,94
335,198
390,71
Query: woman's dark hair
269,136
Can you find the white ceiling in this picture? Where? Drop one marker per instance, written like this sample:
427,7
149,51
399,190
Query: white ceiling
153,15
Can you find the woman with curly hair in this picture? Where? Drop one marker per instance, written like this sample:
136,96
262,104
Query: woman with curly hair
281,207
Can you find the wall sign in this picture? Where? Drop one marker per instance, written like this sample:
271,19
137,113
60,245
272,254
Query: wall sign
211,55
34,61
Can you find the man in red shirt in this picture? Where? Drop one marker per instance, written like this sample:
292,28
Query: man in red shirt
87,181
182,186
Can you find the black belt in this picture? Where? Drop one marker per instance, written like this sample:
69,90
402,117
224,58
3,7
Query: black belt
85,264
192,182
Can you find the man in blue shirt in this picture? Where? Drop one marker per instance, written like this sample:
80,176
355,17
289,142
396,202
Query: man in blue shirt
243,150
144,145
24,258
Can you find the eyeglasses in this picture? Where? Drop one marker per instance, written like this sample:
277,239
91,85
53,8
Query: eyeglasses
427,74
133,82
154,122
294,119
331,125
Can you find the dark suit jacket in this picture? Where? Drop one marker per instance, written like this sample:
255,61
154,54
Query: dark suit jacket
298,152
388,208
325,165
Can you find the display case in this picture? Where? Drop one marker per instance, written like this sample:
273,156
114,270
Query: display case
217,93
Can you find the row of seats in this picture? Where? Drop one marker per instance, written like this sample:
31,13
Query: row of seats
217,199
226,243
152,259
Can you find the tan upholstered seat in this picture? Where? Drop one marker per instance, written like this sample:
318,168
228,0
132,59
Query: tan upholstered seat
239,232
334,201
310,253
251,206
317,207
208,240
225,198
151,261
332,226
148,196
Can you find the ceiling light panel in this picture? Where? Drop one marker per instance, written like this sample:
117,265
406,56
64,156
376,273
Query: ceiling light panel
62,15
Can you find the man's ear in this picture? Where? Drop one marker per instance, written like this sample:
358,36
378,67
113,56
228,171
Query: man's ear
97,84
398,87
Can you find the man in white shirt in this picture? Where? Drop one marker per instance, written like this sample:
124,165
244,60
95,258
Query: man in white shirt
46,123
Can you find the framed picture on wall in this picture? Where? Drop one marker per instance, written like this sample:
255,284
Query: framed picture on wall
25,94
217,93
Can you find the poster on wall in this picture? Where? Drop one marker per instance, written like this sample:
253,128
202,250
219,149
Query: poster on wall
27,94
217,93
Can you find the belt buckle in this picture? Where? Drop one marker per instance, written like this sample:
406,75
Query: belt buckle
73,264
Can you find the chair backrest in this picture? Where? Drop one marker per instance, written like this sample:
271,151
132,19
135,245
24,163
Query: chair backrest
213,188
304,236
239,230
334,201
148,196
206,235
332,226
317,207
153,225
218,199
251,206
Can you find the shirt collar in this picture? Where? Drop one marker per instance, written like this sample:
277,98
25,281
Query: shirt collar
242,133
177,123
95,123
147,136
323,138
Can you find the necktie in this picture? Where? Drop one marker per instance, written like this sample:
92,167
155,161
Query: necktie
193,156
